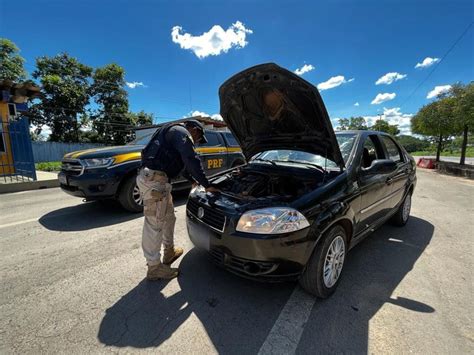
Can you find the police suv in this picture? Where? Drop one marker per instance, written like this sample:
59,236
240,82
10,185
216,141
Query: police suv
110,173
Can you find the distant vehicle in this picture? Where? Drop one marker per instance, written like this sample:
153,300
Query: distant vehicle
110,173
307,194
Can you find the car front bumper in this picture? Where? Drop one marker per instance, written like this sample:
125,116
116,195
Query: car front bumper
93,185
253,256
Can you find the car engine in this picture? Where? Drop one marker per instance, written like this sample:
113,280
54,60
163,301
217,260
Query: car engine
251,184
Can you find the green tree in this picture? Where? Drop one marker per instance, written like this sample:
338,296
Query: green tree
353,123
11,62
111,120
65,95
413,144
437,121
463,111
383,126
358,123
343,124
141,118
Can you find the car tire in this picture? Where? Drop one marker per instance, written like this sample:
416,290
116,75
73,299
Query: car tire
313,278
403,213
128,196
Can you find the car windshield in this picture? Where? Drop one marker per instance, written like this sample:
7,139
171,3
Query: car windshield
345,141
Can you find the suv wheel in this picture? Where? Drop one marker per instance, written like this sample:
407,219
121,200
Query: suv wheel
129,196
323,272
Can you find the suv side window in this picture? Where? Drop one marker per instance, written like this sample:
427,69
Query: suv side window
231,141
392,149
213,140
371,152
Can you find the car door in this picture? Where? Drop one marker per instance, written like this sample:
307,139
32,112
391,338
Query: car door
399,178
213,153
374,189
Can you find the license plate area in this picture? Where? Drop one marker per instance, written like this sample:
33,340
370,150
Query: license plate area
62,179
199,234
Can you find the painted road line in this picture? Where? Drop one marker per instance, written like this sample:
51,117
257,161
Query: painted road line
12,224
18,222
288,328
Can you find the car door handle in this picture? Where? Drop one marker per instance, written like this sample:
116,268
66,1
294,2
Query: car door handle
389,181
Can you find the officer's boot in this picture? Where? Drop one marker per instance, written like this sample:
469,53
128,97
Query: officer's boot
161,271
170,254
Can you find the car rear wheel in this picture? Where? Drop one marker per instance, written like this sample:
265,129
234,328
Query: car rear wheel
403,214
323,272
129,196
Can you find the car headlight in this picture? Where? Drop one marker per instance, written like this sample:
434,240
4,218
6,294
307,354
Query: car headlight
97,162
276,220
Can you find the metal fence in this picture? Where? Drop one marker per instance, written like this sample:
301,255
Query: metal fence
54,151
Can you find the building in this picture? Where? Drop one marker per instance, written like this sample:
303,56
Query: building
16,155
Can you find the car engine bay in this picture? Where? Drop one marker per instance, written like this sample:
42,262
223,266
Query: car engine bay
248,183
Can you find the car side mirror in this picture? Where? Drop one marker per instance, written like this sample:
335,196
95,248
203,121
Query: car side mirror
380,166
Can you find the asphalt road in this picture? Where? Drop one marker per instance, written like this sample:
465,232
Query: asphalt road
72,280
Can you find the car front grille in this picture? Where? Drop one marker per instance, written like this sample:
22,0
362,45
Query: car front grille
239,265
72,166
213,218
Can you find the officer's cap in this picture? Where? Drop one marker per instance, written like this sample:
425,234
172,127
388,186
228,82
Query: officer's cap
198,125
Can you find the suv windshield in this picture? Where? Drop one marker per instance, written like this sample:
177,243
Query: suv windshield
142,140
345,141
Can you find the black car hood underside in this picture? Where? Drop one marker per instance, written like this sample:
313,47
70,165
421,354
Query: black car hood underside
267,107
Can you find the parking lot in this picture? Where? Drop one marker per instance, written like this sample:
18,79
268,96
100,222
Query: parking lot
73,281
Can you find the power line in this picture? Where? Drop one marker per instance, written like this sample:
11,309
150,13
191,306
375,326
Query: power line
437,65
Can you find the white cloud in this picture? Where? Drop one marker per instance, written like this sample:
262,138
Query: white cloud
213,42
304,69
135,84
383,97
393,116
390,78
427,62
442,89
333,82
214,116
356,104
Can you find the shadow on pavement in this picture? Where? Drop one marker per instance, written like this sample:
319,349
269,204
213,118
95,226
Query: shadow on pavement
238,314
95,214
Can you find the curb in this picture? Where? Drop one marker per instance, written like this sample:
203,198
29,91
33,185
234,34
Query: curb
27,186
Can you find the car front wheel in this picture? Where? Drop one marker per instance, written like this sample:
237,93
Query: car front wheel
129,196
323,272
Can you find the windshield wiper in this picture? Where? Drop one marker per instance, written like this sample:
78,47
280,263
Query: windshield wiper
319,167
265,160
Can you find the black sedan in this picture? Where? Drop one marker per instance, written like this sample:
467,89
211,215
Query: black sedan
307,194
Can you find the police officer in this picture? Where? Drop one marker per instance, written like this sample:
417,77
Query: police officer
170,151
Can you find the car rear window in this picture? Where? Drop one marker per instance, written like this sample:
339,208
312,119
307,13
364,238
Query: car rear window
231,140
213,140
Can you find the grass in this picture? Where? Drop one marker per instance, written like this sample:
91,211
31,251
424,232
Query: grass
446,153
49,166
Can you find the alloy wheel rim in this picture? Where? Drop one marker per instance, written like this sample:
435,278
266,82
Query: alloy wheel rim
406,208
334,261
137,197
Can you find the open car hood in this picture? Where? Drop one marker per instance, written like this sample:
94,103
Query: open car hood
267,107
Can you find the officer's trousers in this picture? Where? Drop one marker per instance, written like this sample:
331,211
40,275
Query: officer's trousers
159,214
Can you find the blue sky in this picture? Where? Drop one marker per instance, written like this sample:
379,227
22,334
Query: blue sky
359,40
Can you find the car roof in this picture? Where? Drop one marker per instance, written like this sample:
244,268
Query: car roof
362,132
